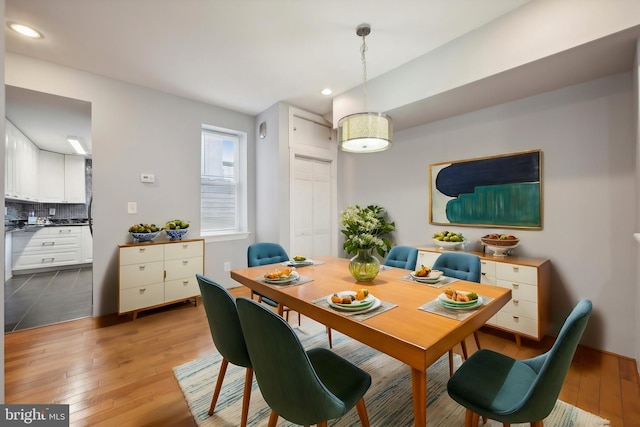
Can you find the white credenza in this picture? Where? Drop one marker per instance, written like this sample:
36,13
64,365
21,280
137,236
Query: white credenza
528,313
46,247
153,274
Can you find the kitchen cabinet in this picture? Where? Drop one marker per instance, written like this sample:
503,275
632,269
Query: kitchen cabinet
153,274
62,178
87,245
46,247
21,165
528,313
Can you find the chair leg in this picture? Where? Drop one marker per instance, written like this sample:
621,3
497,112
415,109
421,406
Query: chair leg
322,424
329,336
248,380
477,338
471,418
299,322
463,344
216,392
273,419
362,413
537,424
450,363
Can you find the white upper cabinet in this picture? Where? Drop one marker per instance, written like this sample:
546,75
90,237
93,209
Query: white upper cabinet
74,179
62,178
21,165
51,177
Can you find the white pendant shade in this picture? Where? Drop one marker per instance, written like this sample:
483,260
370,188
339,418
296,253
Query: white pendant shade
365,132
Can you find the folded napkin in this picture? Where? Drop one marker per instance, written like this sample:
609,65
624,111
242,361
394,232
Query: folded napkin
436,308
358,315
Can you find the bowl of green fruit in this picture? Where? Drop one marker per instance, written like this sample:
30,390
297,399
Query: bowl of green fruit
143,232
176,229
448,239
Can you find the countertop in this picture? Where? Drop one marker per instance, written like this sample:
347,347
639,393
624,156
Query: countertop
35,227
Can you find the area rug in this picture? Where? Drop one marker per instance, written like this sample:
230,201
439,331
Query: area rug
389,401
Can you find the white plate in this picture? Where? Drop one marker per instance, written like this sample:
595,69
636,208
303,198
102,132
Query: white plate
447,303
365,304
426,279
286,279
293,263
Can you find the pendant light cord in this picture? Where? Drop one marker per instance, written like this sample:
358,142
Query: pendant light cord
363,49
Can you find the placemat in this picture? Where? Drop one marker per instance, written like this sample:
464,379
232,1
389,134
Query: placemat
299,281
441,284
384,306
437,308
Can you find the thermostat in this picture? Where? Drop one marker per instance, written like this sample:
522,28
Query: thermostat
147,177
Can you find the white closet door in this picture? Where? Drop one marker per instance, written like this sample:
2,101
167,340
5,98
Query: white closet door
312,207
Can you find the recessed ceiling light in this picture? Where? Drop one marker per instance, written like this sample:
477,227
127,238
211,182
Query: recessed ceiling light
25,30
326,91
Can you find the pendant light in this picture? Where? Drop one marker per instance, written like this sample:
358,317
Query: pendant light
365,132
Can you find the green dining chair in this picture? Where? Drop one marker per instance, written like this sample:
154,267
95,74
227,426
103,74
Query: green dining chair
304,387
464,266
511,391
227,336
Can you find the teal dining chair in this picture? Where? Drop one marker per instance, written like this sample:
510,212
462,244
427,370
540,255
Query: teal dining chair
511,391
265,253
463,266
402,257
304,387
226,332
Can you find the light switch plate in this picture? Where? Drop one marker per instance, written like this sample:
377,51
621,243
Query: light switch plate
147,177
132,207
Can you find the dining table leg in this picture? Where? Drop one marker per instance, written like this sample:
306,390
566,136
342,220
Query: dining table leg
419,390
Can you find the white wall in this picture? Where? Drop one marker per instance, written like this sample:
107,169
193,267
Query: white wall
138,130
636,113
586,135
2,154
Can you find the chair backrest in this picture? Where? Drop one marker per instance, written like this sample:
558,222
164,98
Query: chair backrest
402,257
553,365
460,265
285,375
265,253
224,323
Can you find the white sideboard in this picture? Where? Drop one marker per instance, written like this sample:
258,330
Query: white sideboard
153,274
46,247
528,313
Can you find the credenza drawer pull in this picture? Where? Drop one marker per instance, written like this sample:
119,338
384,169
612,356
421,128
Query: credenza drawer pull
48,259
515,285
185,262
142,290
141,250
141,267
515,269
516,318
48,243
185,282
516,301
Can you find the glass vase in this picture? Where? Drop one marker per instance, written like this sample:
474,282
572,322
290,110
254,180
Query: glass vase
364,267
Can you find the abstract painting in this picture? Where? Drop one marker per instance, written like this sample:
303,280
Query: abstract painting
497,191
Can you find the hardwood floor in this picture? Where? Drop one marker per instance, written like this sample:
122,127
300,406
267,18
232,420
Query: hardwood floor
114,371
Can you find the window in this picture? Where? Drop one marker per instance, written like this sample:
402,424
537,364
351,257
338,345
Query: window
223,202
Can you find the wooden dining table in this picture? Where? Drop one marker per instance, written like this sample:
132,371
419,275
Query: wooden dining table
405,332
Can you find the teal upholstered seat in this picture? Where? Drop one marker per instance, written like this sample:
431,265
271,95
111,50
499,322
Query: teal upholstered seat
402,257
460,265
464,266
518,391
226,332
304,387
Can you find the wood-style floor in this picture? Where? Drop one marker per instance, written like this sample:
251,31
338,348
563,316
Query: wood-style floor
117,372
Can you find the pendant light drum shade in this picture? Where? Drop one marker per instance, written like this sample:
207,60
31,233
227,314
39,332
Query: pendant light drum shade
365,132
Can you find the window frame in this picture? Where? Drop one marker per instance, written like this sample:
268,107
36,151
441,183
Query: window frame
241,177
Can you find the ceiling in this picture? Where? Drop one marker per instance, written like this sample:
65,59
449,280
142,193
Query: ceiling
245,55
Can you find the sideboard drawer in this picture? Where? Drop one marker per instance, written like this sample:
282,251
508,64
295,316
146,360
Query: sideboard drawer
517,273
